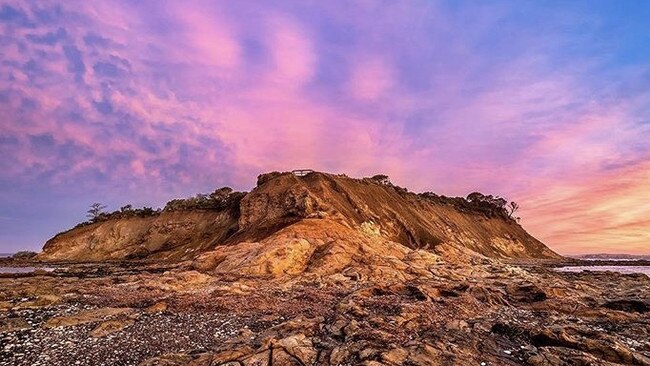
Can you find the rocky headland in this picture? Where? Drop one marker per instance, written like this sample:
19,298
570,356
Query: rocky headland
318,269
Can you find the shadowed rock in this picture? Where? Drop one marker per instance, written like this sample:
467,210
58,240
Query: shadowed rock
628,305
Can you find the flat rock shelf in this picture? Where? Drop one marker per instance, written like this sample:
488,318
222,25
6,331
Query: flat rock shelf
481,313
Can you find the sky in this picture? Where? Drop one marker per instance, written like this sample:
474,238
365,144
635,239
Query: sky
546,103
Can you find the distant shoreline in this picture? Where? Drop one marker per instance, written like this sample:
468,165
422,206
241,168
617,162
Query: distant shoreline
606,256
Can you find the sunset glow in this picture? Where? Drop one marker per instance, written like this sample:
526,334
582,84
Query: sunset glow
547,104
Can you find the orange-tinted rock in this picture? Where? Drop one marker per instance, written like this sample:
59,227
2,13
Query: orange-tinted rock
110,327
303,218
87,316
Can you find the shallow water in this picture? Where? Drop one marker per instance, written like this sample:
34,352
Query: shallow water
620,269
610,259
23,269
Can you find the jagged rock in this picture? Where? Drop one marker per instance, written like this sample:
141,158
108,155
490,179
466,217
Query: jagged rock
395,356
527,292
298,347
460,314
231,356
260,358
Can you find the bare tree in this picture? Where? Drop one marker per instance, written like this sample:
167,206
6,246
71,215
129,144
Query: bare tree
95,212
512,208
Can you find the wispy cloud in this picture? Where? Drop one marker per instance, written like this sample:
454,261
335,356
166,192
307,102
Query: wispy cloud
110,97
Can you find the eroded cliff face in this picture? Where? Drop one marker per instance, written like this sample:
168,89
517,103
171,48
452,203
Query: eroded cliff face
168,236
316,223
393,214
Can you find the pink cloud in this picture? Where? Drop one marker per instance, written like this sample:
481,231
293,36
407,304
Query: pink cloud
292,51
211,35
371,78
219,93
606,212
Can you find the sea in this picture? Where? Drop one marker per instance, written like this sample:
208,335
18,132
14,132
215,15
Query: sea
23,269
9,269
621,269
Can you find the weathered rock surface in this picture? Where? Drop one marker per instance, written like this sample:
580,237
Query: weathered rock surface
89,316
169,236
450,314
315,211
318,270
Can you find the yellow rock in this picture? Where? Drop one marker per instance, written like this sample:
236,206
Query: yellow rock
110,326
158,307
87,316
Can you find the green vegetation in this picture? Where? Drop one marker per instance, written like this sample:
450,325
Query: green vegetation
95,211
220,199
381,179
475,202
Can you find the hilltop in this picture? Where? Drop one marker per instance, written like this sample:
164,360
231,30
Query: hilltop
311,218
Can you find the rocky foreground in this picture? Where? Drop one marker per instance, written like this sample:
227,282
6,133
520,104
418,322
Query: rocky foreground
318,269
478,313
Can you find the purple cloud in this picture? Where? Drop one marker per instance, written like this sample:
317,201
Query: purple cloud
123,101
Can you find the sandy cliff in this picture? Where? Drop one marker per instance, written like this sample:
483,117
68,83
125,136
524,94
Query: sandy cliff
319,222
168,236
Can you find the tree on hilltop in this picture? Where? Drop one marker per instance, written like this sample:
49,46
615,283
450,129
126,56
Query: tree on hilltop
96,211
381,178
512,208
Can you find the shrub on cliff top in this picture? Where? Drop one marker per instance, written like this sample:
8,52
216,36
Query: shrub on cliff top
381,179
217,200
487,205
96,211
